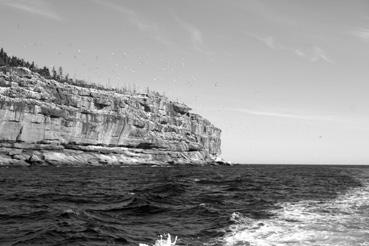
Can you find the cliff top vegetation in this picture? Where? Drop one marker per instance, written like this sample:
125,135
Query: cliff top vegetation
59,75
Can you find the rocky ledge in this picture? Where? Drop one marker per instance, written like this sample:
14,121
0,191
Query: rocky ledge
46,122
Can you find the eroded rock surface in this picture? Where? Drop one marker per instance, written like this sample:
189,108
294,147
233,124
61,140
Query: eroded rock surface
45,122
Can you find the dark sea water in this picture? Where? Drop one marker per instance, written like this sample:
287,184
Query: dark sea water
238,205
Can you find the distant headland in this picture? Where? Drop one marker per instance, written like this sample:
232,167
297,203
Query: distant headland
47,118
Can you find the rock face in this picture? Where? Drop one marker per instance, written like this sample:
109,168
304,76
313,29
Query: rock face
45,122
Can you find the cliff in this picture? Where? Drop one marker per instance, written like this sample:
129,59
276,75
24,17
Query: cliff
46,122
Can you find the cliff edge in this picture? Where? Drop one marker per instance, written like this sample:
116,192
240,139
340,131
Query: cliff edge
46,122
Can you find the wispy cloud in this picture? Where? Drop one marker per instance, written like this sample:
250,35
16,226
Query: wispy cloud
279,114
269,41
275,113
341,120
312,53
36,7
137,20
195,34
265,10
318,54
361,33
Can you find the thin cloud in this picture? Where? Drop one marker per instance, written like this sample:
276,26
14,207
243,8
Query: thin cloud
343,121
137,20
275,114
131,15
319,54
267,12
196,36
313,53
269,41
299,52
35,7
361,33
278,114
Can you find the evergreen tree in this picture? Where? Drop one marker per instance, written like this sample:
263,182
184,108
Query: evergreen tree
60,75
6,59
44,72
32,66
54,73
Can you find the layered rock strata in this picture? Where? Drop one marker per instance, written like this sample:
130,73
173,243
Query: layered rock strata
45,122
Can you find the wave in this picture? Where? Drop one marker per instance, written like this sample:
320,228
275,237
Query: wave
24,216
136,204
340,222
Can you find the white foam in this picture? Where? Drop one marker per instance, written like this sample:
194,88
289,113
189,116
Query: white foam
163,242
341,222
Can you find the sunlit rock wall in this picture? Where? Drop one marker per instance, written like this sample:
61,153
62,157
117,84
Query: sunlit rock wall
45,122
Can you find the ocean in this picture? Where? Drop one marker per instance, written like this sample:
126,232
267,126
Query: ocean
252,205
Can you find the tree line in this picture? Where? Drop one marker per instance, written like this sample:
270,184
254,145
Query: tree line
58,75
13,61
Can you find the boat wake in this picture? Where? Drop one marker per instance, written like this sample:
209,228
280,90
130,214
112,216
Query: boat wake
163,242
340,222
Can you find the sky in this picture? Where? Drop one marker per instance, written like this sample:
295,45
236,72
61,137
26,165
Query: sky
286,81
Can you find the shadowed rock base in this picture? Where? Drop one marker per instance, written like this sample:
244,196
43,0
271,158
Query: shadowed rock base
21,154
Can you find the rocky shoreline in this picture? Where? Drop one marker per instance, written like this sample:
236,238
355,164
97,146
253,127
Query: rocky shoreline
46,122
